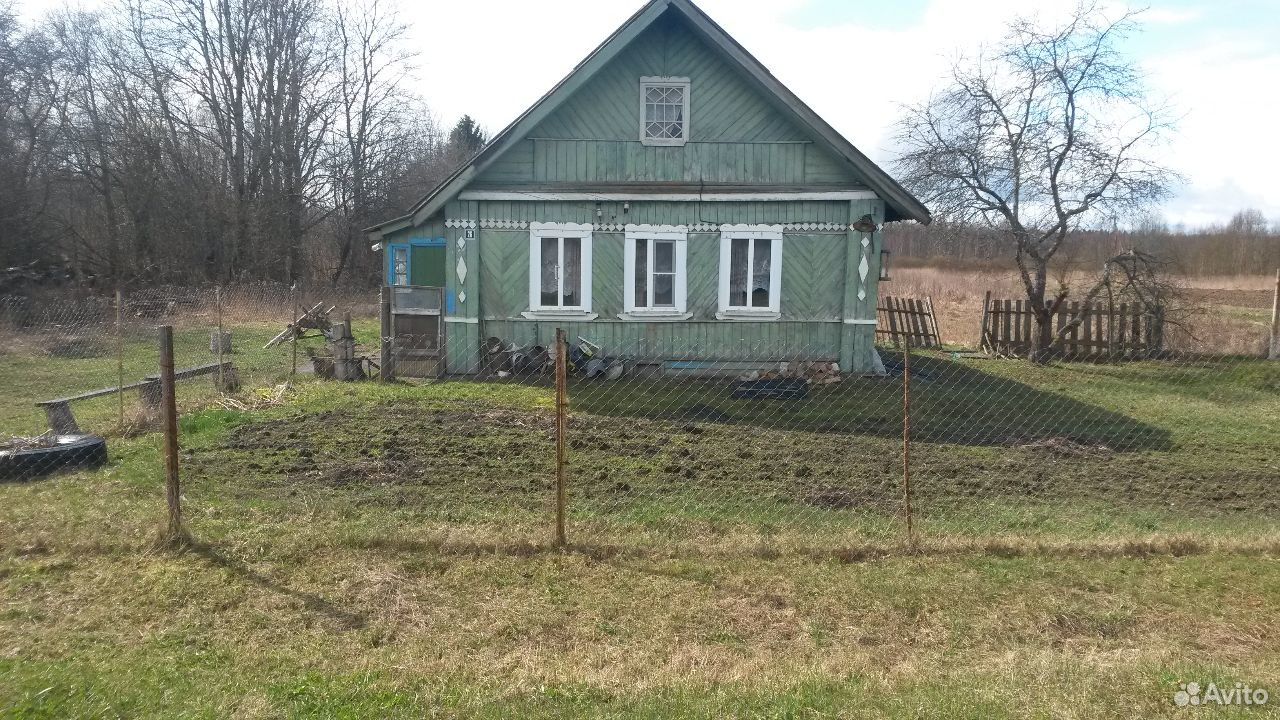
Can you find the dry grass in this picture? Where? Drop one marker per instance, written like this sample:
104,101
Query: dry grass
1228,314
380,598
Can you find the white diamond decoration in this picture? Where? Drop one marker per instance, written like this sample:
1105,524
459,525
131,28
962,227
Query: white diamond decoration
462,296
462,244
863,268
866,242
462,269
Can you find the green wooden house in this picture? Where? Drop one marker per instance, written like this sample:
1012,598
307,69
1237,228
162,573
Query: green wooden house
670,201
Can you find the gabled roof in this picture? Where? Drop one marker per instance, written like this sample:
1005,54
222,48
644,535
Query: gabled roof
901,205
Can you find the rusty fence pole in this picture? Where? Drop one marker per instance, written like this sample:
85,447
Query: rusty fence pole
293,322
385,371
562,407
169,408
120,357
1273,353
906,443
222,380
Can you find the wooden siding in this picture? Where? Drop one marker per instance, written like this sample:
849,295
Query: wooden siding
812,275
647,342
665,213
736,134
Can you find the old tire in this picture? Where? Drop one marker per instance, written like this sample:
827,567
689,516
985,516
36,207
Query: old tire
72,452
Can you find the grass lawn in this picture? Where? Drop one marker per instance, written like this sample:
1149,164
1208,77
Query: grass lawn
33,375
1093,535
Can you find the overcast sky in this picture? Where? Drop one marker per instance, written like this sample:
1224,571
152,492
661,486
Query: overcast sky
856,61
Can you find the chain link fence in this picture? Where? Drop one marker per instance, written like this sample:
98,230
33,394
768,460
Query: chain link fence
81,367
683,441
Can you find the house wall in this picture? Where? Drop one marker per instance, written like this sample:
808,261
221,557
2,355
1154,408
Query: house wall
736,134
819,282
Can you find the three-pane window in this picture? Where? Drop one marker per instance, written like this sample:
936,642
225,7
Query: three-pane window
750,271
561,263
559,268
654,266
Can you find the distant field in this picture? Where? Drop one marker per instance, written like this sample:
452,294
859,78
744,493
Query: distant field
1226,314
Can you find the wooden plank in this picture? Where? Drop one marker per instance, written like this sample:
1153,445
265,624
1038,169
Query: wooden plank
1087,323
1006,331
893,321
984,342
1074,334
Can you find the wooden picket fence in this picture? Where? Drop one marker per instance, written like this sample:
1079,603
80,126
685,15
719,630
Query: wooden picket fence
903,321
1118,332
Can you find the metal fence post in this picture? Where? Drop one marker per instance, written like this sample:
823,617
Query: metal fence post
120,357
562,403
385,371
222,380
1274,352
906,443
169,407
293,321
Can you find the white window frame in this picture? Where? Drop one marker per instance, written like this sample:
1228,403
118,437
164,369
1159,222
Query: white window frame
679,234
397,275
729,233
538,231
663,82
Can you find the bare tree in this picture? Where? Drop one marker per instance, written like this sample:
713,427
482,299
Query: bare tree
1042,135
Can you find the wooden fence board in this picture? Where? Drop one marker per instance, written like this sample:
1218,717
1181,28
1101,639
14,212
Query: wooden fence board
1088,330
907,320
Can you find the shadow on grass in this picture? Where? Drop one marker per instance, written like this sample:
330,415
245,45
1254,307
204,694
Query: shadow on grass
310,601
951,402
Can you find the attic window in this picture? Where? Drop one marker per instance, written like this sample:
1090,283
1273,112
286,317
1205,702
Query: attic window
664,110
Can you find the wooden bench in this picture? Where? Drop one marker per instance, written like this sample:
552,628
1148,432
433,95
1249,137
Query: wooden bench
63,421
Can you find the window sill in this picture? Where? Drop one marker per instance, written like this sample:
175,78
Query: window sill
749,315
566,315
651,316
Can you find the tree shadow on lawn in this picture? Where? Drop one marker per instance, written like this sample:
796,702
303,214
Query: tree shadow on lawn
341,618
950,403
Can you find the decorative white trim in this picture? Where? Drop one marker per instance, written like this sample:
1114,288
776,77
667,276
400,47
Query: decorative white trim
650,82
669,232
864,267
496,224
539,230
655,316
679,234
554,196
462,320
751,232
754,231
558,227
702,227
743,315
859,321
552,315
460,224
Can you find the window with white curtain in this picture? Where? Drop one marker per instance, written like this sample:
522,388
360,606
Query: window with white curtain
559,268
664,110
654,271
750,272
400,266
